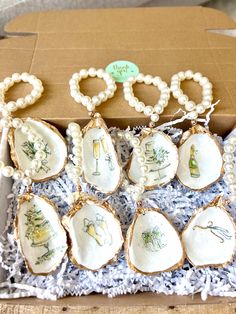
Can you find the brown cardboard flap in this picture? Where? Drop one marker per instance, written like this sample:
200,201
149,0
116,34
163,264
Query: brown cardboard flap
161,41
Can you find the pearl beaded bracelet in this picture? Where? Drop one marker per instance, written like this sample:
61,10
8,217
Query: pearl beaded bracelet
135,190
7,121
228,157
91,102
20,103
139,106
193,108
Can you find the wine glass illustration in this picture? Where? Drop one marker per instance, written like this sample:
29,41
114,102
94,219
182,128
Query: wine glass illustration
108,155
96,155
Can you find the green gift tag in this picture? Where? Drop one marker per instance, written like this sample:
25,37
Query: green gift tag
122,70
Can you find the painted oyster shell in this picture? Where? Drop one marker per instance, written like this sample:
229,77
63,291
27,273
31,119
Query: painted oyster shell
94,232
200,159
40,235
100,162
209,236
152,244
161,159
23,151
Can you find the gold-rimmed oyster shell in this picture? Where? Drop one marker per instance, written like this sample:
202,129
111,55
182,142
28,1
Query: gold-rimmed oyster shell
100,163
209,236
161,159
41,238
152,244
94,232
200,159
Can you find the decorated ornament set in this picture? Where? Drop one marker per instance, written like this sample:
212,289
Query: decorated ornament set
90,232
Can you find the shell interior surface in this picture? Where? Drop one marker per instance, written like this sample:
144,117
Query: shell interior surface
95,235
152,244
41,237
161,159
209,238
100,163
200,161
23,151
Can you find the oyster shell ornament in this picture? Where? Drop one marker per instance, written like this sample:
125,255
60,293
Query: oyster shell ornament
200,156
161,157
200,159
40,235
152,244
94,232
24,150
209,237
160,153
98,157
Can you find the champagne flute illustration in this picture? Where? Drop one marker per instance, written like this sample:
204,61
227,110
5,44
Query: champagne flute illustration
96,155
108,155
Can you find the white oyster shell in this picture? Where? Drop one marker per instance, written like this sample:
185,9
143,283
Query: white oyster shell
200,159
22,151
161,159
209,237
40,235
95,234
100,163
152,243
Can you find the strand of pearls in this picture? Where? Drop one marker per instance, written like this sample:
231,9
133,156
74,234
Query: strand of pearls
74,170
229,165
150,111
91,102
190,106
7,108
7,122
135,190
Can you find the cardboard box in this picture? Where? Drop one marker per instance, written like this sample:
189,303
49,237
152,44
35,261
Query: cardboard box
161,41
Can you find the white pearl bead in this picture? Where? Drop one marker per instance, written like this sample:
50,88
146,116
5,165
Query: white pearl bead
204,80
139,106
7,171
154,117
228,157
11,106
192,115
183,99
197,76
100,73
5,122
177,93
83,73
189,74
206,104
16,77
181,75
190,105
86,100
90,107
139,78
229,166
148,110
229,177
158,108
92,72
229,148
200,108
18,175
148,79
17,123
156,81
26,181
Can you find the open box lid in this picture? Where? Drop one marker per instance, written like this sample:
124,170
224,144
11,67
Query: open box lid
161,41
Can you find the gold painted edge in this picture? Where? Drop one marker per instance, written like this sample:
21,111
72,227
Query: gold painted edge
216,202
129,237
146,133
22,199
83,200
198,129
97,122
11,141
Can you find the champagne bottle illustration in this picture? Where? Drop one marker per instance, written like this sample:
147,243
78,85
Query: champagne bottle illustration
96,155
90,228
193,164
39,231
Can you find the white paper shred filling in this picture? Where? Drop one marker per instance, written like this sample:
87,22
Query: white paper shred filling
175,200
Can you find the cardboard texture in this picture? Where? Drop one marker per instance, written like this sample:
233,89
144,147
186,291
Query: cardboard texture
161,41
